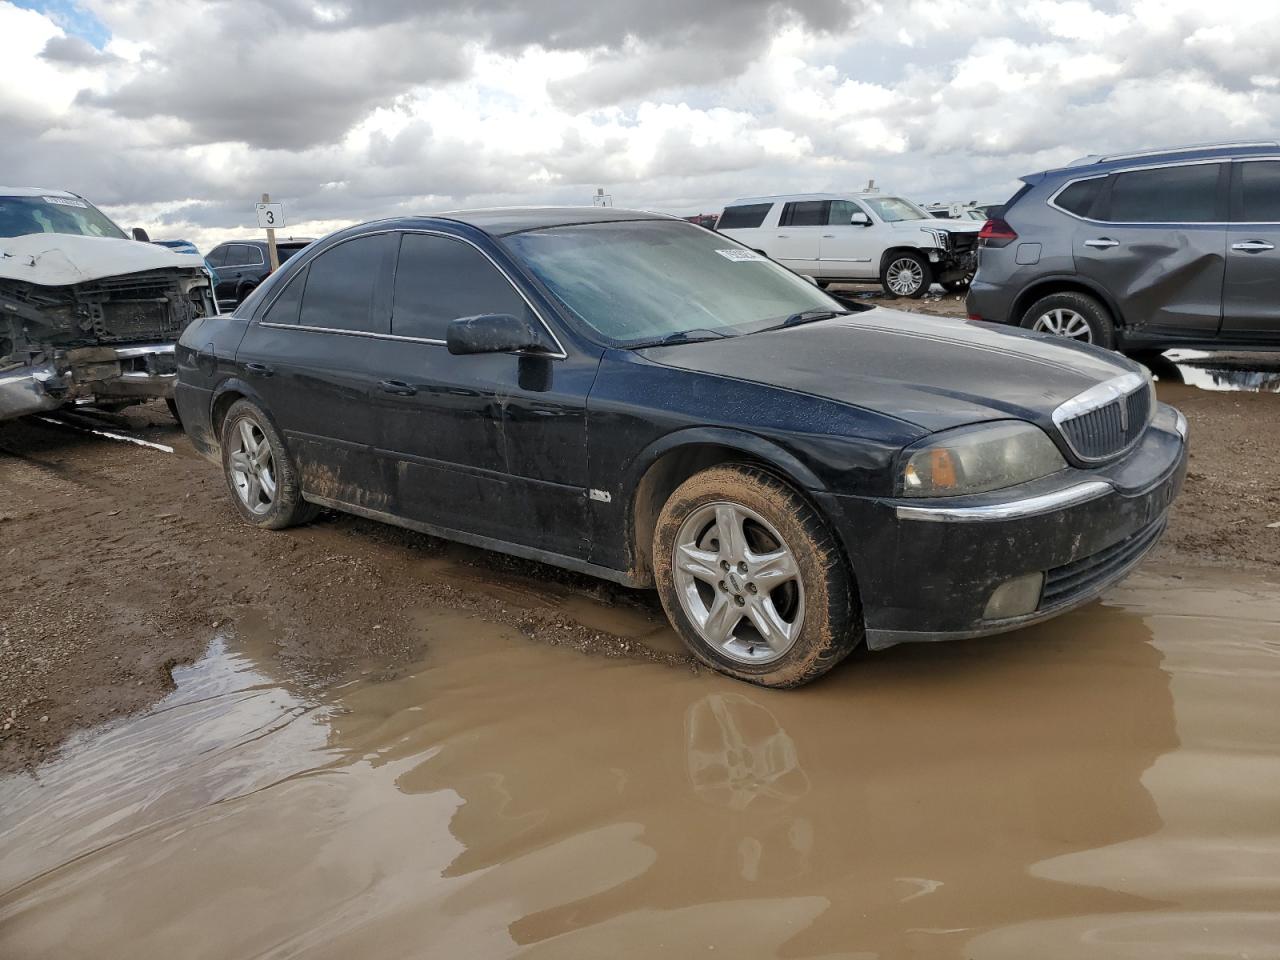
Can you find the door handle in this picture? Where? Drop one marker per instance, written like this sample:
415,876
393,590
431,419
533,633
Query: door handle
1102,243
397,387
1253,246
828,236
259,369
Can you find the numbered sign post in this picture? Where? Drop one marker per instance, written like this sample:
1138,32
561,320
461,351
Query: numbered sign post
270,216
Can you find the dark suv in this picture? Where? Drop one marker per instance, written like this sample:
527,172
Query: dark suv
243,264
1141,251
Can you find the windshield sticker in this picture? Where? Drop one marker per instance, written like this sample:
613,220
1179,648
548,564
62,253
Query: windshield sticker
740,255
66,202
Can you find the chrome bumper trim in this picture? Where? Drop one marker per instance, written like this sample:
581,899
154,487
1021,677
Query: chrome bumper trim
1014,509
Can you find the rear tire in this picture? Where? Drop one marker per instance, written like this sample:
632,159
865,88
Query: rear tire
1074,316
753,579
956,286
906,274
260,476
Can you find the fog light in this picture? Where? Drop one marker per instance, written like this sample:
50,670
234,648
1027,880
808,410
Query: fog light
1015,598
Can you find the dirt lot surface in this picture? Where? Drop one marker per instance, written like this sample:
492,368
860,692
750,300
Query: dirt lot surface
121,559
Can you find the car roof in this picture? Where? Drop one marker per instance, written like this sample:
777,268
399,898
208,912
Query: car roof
851,195
502,221
36,192
1096,164
286,242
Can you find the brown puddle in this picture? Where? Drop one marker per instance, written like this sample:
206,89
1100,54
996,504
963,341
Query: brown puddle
1103,786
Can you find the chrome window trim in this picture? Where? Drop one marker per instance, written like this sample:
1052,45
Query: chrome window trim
1012,510
1141,223
1109,391
560,353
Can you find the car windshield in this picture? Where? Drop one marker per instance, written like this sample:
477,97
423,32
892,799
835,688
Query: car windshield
893,209
20,216
641,281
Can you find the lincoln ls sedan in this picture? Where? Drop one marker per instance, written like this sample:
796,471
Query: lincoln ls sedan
635,397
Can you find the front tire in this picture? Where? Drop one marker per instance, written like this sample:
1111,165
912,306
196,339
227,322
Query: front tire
260,476
1074,316
753,579
906,274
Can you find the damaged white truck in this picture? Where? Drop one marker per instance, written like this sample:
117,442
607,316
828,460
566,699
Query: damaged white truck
87,314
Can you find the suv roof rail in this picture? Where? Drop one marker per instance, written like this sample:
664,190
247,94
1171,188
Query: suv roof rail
1186,148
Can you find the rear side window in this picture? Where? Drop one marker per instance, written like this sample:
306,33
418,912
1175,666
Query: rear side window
237,255
1079,197
1186,194
744,217
439,280
805,213
1259,192
342,284
218,256
286,306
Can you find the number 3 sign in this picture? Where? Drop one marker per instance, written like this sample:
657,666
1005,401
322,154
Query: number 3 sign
270,215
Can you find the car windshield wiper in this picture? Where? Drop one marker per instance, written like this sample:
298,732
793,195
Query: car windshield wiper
682,336
806,316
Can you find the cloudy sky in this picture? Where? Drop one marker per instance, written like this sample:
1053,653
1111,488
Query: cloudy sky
177,115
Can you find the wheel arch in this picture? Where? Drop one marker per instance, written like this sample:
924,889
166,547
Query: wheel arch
224,396
1047,286
668,462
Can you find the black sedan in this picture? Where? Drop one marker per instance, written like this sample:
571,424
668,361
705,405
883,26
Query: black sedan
632,396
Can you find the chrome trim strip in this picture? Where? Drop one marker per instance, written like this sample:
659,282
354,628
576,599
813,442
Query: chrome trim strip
1109,391
559,355
1140,223
159,348
1014,509
1189,148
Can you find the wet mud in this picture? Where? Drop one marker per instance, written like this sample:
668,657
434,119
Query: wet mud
1100,786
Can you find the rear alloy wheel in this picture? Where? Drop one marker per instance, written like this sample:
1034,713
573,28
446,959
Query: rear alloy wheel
1074,316
262,480
753,579
906,275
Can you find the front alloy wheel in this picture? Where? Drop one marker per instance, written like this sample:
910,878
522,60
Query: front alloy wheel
907,275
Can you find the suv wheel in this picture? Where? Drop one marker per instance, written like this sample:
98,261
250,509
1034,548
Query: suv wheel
244,290
1076,316
752,578
906,275
261,477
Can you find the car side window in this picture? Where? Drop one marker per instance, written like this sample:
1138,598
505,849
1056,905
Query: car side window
237,255
1259,193
1079,197
746,216
842,212
342,286
804,213
1185,194
252,255
218,256
286,307
439,280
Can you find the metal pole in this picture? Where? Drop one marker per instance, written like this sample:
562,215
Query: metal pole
271,240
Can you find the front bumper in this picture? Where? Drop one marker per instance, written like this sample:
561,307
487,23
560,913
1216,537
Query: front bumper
945,559
130,373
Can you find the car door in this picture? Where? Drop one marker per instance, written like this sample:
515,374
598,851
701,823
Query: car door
795,241
1251,292
1155,240
849,250
308,357
488,444
217,259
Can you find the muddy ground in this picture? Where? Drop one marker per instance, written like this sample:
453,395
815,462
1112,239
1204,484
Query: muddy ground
122,560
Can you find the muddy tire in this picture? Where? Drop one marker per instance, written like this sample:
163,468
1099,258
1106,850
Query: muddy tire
173,409
906,274
1074,316
753,579
261,477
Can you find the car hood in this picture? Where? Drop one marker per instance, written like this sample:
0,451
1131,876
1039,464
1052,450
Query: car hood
937,223
933,372
59,259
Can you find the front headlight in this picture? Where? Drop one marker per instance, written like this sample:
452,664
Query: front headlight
975,460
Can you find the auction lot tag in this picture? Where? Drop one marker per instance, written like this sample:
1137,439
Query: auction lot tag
740,255
66,202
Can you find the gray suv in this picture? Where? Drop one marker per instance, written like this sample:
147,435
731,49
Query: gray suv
1141,251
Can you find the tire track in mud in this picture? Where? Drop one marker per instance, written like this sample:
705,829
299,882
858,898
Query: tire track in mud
120,561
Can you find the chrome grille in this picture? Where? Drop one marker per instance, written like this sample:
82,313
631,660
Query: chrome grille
1108,419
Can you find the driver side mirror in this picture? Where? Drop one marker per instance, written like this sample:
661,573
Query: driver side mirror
494,333
140,235
860,219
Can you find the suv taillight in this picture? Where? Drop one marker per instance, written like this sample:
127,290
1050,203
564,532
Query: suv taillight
996,233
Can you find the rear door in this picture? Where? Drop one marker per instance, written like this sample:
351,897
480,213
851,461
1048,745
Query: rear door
850,250
309,358
1251,294
796,240
1156,242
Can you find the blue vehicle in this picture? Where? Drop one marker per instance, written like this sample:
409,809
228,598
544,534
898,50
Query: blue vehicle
186,246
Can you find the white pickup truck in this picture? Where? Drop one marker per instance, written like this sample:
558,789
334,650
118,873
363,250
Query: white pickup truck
857,237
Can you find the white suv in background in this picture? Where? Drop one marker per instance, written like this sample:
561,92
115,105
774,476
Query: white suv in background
857,237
